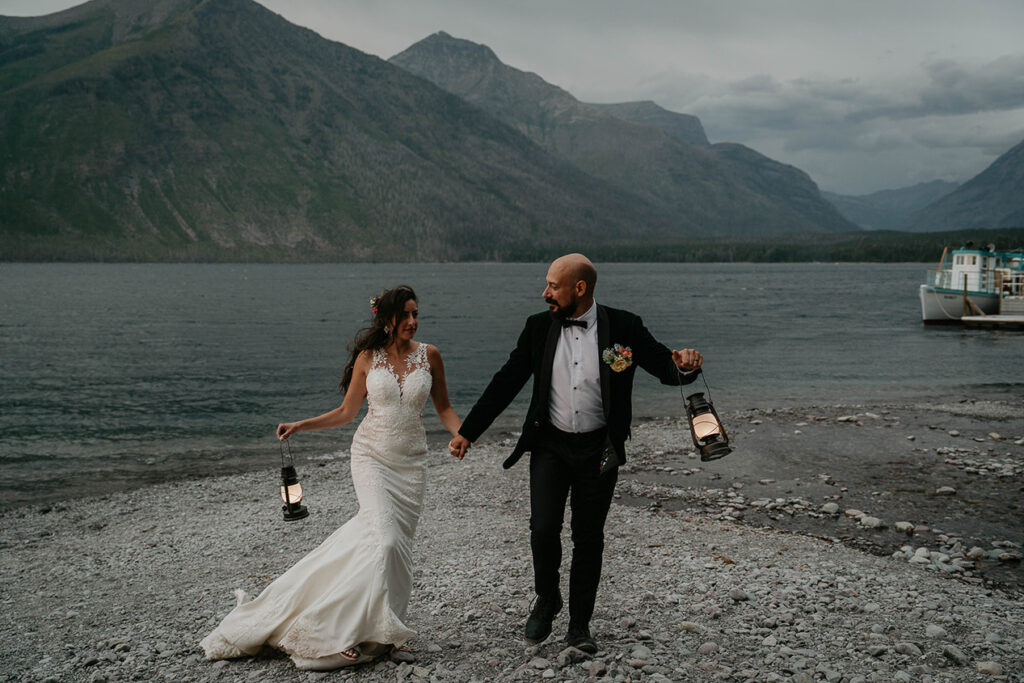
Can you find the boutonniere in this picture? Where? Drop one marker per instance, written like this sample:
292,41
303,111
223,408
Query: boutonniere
619,357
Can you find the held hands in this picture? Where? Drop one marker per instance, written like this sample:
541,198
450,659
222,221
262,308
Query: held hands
458,446
286,429
687,359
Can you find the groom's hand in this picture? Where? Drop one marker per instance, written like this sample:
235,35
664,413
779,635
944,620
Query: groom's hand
687,359
458,446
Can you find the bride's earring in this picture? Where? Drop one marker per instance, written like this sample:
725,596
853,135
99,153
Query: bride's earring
386,330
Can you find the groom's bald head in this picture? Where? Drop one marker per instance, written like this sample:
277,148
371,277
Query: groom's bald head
570,285
577,268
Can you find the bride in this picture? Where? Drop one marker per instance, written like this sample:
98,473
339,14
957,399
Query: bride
344,603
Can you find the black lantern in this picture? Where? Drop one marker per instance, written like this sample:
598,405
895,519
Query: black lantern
291,489
706,428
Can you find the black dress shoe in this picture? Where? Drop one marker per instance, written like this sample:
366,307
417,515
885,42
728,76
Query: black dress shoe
538,625
579,637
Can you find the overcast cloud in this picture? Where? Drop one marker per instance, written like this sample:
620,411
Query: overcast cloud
863,95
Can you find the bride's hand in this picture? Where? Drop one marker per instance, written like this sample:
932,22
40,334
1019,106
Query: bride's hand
286,429
458,446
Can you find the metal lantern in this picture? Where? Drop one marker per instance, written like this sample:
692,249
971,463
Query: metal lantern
706,428
291,489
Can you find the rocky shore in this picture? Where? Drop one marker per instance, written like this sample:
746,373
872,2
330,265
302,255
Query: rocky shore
825,548
935,484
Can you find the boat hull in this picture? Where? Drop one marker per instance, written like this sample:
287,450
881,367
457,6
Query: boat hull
947,306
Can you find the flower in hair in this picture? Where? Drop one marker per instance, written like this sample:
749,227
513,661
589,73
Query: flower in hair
373,304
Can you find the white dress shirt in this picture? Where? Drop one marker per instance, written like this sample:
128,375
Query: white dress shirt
576,404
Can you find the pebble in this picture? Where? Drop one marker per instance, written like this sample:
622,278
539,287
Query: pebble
641,652
830,508
954,654
934,631
908,649
708,648
990,668
945,491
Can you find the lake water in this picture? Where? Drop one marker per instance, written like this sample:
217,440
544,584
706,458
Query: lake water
113,376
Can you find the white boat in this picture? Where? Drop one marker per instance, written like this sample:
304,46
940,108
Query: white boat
971,282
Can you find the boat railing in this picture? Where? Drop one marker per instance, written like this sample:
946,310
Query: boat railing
986,281
1011,283
943,279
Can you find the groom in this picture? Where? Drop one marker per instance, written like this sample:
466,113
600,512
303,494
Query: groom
582,357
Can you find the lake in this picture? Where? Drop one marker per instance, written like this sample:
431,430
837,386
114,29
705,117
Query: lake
117,375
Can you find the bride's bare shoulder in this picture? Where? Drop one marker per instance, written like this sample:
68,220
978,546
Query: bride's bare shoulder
433,354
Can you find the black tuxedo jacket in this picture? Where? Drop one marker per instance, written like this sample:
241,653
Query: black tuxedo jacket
534,355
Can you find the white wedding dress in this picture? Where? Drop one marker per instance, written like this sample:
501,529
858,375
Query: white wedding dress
354,588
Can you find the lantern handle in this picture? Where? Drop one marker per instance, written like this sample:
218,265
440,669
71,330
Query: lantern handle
700,371
290,460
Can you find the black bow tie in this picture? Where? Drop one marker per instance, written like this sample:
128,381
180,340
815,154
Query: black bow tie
568,322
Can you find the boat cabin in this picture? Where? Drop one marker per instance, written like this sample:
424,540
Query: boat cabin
980,270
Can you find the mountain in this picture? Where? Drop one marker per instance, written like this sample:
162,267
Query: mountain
888,209
215,129
711,191
992,199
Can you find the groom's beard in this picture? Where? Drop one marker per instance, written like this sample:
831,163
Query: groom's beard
561,313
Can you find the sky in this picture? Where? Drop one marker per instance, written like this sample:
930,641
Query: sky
863,95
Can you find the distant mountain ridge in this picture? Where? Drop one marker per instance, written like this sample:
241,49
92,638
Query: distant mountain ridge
686,127
214,129
992,199
713,191
889,209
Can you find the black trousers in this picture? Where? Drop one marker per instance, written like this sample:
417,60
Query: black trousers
564,465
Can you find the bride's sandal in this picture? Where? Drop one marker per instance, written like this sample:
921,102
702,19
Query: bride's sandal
353,656
349,657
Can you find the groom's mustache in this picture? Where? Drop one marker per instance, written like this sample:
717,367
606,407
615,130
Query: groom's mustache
551,301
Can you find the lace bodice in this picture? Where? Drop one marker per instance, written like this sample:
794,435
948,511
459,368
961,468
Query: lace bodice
398,393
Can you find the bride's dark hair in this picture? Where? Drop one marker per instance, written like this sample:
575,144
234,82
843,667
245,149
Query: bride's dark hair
389,303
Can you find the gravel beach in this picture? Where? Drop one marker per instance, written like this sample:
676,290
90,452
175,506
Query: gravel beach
838,543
